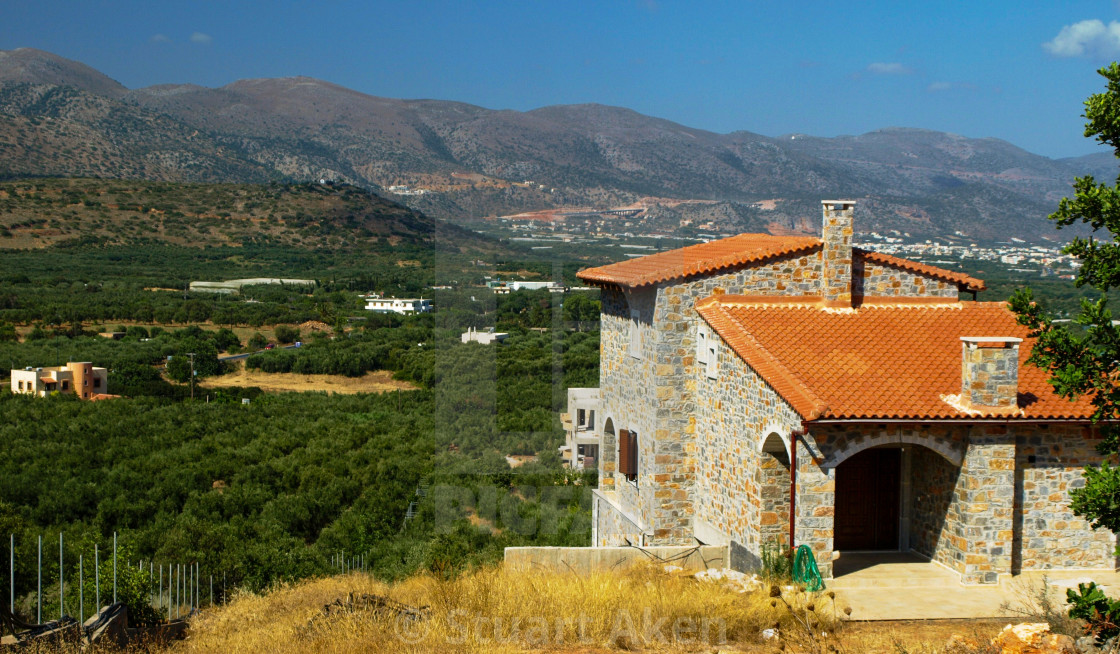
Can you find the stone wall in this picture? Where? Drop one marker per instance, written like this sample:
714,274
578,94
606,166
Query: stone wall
611,527
983,526
653,395
836,255
990,373
773,482
734,413
877,280
587,560
1048,461
933,491
627,396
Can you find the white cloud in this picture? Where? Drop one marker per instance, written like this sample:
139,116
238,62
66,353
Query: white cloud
893,68
199,37
1089,38
159,38
939,86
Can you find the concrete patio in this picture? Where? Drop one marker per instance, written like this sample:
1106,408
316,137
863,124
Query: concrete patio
902,586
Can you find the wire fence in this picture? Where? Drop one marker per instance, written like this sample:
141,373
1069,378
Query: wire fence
173,590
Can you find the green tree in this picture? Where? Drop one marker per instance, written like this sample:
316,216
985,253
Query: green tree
1083,360
257,341
286,334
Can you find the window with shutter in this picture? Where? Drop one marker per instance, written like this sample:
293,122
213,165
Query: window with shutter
702,344
633,457
624,453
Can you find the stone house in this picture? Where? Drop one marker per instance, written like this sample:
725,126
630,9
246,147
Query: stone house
908,413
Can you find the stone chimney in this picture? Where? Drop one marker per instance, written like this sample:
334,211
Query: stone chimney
836,285
990,372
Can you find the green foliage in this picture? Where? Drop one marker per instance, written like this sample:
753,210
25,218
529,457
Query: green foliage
1085,362
286,334
289,466
257,341
776,563
134,587
1101,614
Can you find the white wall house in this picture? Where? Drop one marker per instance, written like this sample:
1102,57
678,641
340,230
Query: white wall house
500,287
486,337
81,379
583,433
398,305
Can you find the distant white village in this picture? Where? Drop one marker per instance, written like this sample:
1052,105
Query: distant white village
1044,258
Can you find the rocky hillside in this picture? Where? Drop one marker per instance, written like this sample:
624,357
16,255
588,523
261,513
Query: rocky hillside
62,118
38,213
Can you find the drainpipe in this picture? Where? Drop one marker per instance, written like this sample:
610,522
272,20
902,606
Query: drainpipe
793,436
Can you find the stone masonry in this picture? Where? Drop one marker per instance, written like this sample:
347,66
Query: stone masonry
990,372
984,499
836,286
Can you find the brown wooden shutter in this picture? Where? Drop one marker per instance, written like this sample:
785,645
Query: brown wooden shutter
624,452
633,456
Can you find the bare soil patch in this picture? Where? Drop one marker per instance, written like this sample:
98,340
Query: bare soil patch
379,381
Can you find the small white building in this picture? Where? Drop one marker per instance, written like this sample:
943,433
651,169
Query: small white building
581,428
81,379
486,337
398,305
500,287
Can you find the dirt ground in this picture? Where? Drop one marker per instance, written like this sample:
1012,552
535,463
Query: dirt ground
917,636
378,381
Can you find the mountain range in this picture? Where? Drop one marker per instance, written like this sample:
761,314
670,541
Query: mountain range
62,118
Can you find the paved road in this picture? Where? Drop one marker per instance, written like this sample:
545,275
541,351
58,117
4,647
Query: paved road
245,355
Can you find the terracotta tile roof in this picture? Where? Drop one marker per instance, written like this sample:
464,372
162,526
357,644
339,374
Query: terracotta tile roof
699,259
738,250
878,361
961,279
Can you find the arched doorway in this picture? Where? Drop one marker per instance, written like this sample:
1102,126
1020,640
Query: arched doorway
895,497
868,501
774,486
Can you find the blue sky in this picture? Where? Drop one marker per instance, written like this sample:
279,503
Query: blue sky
1012,70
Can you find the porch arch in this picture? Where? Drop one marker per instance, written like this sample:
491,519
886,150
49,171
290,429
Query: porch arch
951,454
773,431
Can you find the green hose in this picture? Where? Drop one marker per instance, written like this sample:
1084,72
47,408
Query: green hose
805,570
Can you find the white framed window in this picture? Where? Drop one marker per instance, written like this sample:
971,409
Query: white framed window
707,350
635,334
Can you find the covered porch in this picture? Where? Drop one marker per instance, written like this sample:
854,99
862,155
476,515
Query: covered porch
907,586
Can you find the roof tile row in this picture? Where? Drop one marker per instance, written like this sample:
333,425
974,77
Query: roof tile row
877,361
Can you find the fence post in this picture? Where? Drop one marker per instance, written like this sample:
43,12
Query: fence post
97,576
159,602
114,567
81,593
211,590
61,588
168,591
39,588
12,572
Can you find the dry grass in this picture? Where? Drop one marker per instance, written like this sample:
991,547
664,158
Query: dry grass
493,610
379,381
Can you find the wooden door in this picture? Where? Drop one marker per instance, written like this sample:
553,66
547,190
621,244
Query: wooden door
867,498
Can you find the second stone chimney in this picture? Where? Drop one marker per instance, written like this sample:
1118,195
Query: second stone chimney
836,282
990,372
